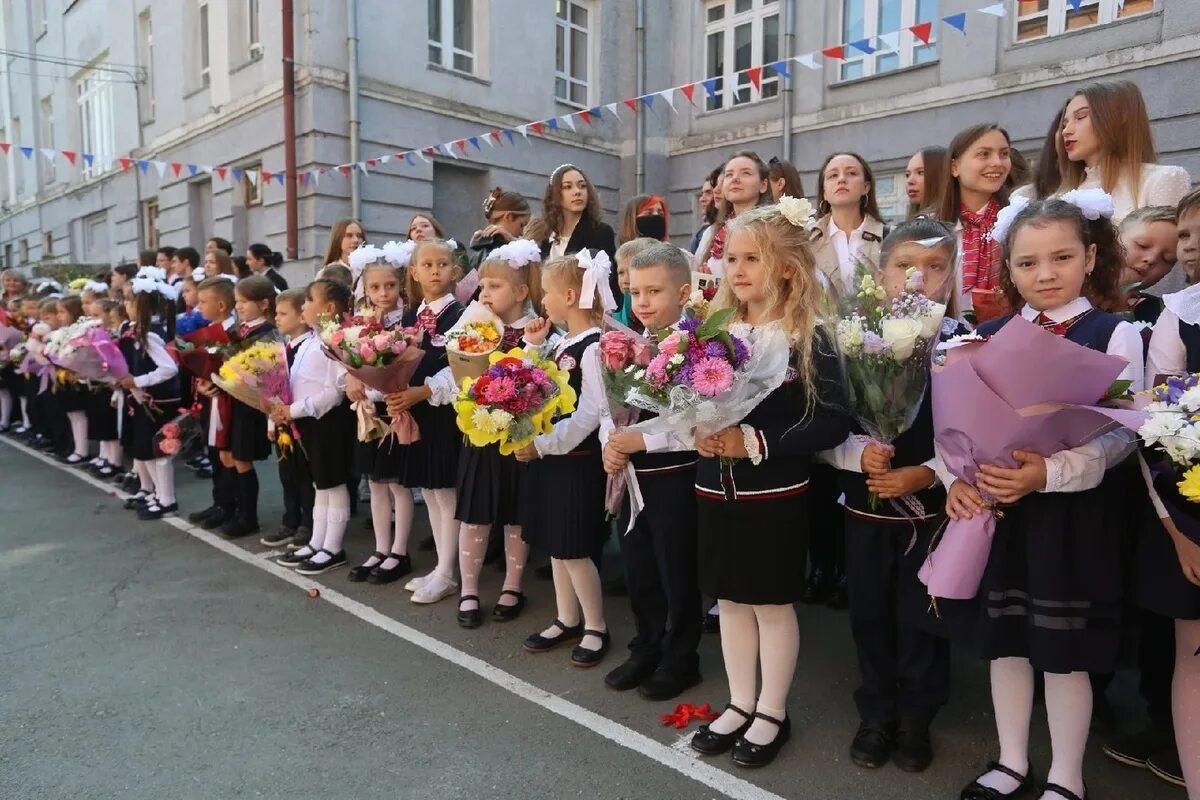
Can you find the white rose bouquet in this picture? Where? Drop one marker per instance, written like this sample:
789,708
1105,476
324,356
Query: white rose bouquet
886,344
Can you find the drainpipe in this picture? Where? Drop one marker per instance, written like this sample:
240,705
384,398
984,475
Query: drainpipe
352,35
640,147
291,179
789,48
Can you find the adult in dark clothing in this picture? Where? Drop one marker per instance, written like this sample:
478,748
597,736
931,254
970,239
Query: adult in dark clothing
571,211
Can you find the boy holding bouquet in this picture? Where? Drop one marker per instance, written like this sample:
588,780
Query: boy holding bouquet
659,549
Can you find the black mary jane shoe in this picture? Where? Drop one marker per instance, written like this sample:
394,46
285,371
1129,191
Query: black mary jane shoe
472,617
708,743
503,613
380,576
542,644
584,657
1067,794
138,501
359,574
977,791
156,510
748,754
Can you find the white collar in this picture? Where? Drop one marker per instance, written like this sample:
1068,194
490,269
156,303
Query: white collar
521,323
1061,314
567,341
834,229
301,339
229,322
392,318
254,323
437,306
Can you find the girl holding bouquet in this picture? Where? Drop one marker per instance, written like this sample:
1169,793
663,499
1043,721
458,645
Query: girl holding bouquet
74,396
904,667
154,373
752,479
564,491
489,484
101,415
1050,599
431,462
379,461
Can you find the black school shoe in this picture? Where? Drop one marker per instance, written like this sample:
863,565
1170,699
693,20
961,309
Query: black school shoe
218,520
1165,765
359,574
542,644
748,754
818,587
138,501
667,685
507,613
470,617
1136,749
708,743
155,510
380,576
311,567
237,528
586,658
914,749
279,538
872,745
977,791
199,517
630,675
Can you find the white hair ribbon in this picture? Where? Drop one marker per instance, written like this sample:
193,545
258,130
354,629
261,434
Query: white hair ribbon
596,271
365,254
517,253
399,254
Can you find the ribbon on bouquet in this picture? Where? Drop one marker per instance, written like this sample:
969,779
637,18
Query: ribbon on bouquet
617,485
910,508
369,426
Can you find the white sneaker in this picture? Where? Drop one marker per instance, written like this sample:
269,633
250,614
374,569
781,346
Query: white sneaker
415,583
434,588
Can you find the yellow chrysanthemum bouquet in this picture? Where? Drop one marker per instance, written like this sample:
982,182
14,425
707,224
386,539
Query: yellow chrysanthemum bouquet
516,399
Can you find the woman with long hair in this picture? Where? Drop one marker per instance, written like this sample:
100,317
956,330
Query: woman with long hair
572,215
644,216
784,179
744,185
924,177
850,228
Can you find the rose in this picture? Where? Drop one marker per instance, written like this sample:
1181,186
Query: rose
671,345
169,446
616,351
381,342
642,354
931,320
367,352
170,431
398,346
902,335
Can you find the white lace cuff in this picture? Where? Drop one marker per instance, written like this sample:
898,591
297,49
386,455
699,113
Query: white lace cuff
752,444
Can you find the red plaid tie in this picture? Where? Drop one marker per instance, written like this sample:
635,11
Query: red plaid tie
511,338
1059,328
427,320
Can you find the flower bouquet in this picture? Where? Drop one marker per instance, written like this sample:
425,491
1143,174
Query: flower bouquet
886,345
623,352
472,340
516,399
173,437
96,357
257,376
1171,436
10,337
203,351
384,360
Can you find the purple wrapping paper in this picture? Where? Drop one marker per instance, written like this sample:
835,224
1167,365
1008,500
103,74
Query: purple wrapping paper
1023,389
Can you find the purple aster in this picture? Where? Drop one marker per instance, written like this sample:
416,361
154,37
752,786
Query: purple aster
740,352
873,343
689,324
715,349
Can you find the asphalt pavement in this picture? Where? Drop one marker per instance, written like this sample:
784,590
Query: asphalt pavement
155,660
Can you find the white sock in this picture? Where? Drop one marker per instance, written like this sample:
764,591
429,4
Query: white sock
79,426
565,601
337,514
320,520
25,411
164,481
1069,714
1012,701
145,477
739,646
6,407
117,453
402,502
381,519
440,503
778,649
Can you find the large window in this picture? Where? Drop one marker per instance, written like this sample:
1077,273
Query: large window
891,196
572,55
1036,19
94,92
51,164
452,34
150,220
883,26
739,34
202,25
146,62
252,29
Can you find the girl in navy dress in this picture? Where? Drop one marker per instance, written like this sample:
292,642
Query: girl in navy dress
73,397
752,480
431,463
155,376
1051,595
101,414
564,488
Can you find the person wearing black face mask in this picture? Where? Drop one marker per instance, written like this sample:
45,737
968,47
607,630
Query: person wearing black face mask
644,216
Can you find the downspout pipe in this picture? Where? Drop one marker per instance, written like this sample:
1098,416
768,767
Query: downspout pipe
352,36
289,129
789,50
640,146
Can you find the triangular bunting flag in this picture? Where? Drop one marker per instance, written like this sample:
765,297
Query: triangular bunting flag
161,168
996,10
206,169
144,166
521,130
569,121
316,176
266,177
344,169
475,141
863,46
220,172
781,69
669,96
448,149
462,145
409,158
126,163
689,92
1075,4
70,155
49,153
586,116
236,173
252,176
552,123
192,169
631,104
495,137
88,159
755,76
613,108
959,20
834,52
508,134
5,146
537,127
889,41
176,167
710,87
372,162
384,159
648,101
595,112
922,30
809,60
27,152
302,179
431,152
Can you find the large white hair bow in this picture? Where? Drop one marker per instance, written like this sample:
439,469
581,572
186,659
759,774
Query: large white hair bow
596,271
517,253
398,254
363,256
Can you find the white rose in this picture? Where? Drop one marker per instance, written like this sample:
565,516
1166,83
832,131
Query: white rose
931,321
1190,400
901,335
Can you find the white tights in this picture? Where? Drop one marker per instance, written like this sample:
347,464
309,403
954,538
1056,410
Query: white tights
79,428
331,512
390,538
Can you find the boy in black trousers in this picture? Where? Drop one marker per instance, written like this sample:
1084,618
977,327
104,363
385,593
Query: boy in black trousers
659,549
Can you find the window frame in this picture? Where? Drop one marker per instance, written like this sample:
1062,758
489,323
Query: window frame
731,82
909,44
568,26
893,205
1108,12
146,57
252,194
254,46
150,222
448,51
93,90
204,42
47,245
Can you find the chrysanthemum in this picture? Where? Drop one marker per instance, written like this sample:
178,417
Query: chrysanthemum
712,376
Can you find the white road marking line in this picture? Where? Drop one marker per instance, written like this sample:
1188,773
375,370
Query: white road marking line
670,756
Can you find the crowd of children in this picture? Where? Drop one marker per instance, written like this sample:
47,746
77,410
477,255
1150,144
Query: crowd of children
729,515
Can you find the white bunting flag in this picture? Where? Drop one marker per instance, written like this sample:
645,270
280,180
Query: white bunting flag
521,130
889,41
808,61
569,121
49,153
669,96
613,108
997,10
161,166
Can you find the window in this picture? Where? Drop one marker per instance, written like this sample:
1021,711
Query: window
24,251
6,195
739,34
892,196
47,245
871,19
452,34
252,189
252,29
146,61
202,10
1036,19
95,237
571,52
51,165
18,163
150,222
94,91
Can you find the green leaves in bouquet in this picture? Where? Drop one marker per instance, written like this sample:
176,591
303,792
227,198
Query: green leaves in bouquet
714,325
1120,390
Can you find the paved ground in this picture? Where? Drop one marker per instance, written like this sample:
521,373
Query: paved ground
151,660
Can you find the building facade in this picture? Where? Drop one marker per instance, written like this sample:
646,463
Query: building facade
201,82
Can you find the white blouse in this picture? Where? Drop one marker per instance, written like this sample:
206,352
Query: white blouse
317,381
1161,185
569,432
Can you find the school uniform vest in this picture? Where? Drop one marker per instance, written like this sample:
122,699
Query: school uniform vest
140,363
1092,331
433,347
571,360
1190,336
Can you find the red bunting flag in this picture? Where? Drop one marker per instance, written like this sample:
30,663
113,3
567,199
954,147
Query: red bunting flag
632,103
266,176
126,163
221,172
372,161
461,144
586,116
537,128
834,52
922,31
344,169
755,76
429,151
69,155
5,146
496,137
175,166
689,91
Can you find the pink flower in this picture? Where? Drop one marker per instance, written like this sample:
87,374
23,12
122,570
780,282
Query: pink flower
656,371
616,351
366,351
381,342
670,345
712,376
500,390
338,337
642,354
398,346
170,431
169,447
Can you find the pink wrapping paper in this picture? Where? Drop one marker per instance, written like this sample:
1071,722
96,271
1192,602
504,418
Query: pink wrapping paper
1024,389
